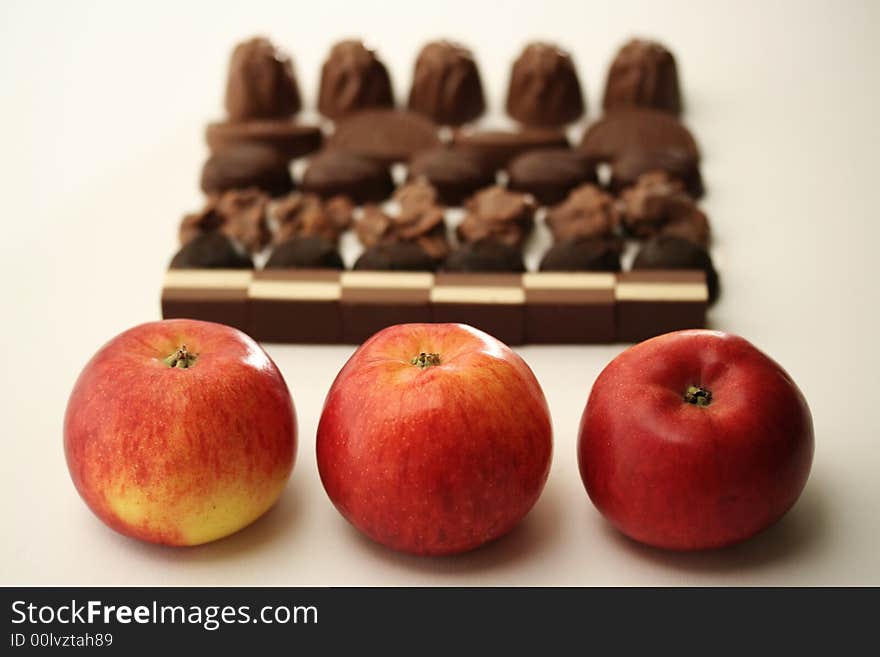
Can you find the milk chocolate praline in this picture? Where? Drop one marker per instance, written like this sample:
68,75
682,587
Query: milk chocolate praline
353,78
455,174
550,174
261,83
544,88
446,84
643,74
247,165
336,172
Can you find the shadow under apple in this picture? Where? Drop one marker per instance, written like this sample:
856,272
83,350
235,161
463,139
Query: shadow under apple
804,528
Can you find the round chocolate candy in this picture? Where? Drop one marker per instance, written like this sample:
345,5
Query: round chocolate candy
385,135
671,252
290,139
582,255
305,252
550,174
395,256
247,165
454,174
211,250
485,256
340,173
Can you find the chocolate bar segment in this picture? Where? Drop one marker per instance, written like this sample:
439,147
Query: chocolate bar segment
373,300
296,306
569,307
212,295
654,302
494,303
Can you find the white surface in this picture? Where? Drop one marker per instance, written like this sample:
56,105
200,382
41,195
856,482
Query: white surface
100,149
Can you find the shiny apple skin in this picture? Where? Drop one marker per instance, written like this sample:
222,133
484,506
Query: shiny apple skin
680,476
180,456
439,460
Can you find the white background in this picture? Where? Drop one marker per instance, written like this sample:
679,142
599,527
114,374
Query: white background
103,106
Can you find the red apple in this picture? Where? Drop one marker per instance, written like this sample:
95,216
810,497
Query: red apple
693,440
180,432
434,439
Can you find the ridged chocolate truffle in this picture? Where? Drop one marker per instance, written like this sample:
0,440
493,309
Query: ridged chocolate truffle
583,255
544,88
550,174
670,252
336,172
446,84
353,78
211,250
455,174
643,74
305,252
485,256
261,83
247,165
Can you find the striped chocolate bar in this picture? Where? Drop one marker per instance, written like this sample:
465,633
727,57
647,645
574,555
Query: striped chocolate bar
372,300
569,307
493,303
653,302
296,305
213,295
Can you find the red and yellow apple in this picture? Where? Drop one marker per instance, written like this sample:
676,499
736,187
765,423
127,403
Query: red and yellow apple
693,440
180,432
434,439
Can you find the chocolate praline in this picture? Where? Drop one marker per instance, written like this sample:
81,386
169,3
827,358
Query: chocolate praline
671,252
387,136
211,250
261,83
544,89
353,78
485,256
247,165
306,252
455,174
582,255
395,256
498,147
339,173
643,74
550,174
446,84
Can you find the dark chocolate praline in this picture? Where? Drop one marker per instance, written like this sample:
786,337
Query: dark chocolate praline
305,252
211,250
395,256
485,256
582,255
671,252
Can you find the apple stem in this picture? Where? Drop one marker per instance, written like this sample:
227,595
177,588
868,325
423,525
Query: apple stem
425,360
181,358
698,395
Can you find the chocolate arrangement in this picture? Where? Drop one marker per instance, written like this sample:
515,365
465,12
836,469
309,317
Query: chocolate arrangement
377,214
